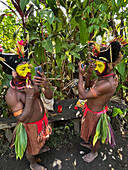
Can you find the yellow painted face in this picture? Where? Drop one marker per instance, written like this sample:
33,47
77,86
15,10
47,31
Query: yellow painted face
100,66
23,70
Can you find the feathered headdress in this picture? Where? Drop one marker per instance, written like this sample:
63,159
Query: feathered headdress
9,61
108,49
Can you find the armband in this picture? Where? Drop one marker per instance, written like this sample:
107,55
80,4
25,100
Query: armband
93,92
17,113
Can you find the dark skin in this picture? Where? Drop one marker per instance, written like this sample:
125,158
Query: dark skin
29,100
104,88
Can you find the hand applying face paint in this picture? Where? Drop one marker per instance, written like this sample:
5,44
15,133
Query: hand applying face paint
91,67
81,68
29,89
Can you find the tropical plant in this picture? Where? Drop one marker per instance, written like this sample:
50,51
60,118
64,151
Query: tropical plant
59,31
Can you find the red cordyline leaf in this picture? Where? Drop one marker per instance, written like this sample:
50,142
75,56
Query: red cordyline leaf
9,7
17,6
29,11
18,1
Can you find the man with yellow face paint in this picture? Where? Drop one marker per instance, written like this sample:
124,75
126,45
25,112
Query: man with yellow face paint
23,70
100,67
24,99
95,127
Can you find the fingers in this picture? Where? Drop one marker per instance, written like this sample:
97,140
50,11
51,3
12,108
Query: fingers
28,83
84,67
37,82
41,74
29,86
27,79
40,80
81,66
92,64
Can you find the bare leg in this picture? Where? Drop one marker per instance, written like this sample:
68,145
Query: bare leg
93,154
44,149
86,145
33,164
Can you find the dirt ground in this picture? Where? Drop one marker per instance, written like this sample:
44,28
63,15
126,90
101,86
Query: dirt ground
67,156
66,152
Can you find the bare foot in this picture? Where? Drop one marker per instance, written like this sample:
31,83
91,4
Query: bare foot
90,156
37,167
44,149
86,145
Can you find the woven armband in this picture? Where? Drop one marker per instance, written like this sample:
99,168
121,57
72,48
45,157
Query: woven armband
93,92
19,112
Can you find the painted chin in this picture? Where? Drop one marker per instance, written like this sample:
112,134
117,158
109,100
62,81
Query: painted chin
27,76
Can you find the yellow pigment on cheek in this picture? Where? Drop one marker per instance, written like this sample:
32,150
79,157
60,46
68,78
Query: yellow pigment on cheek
100,66
22,70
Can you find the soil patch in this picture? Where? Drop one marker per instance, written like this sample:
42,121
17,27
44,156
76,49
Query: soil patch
68,156
66,152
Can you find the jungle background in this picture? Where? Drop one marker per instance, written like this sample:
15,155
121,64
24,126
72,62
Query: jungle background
58,35
59,31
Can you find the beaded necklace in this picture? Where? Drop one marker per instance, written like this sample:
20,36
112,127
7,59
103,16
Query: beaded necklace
15,85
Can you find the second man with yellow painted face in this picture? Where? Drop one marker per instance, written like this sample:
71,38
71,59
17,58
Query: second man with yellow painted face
95,127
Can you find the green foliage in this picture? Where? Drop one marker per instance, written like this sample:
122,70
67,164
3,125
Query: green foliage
4,84
23,4
47,15
47,44
121,69
20,140
59,36
116,111
63,135
83,32
4,109
102,130
98,131
7,29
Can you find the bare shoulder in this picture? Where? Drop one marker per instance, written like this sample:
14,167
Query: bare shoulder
105,86
11,93
11,97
